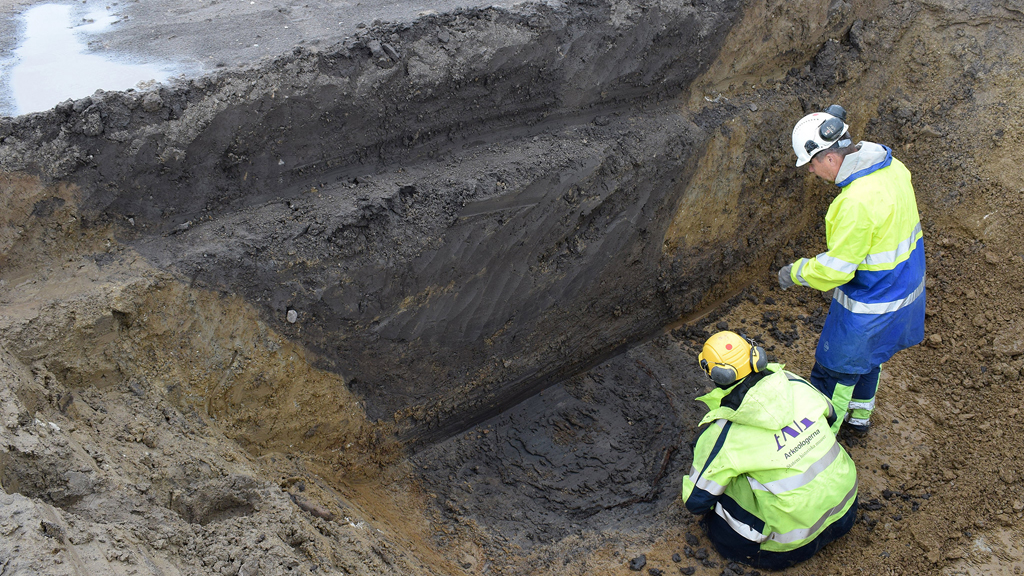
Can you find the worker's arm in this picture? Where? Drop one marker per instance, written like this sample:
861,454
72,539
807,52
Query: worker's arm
849,230
710,473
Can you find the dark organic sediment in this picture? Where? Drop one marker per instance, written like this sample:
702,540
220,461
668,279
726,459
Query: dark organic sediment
454,213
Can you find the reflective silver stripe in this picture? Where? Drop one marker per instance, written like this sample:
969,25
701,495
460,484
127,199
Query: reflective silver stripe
741,528
841,266
703,483
709,486
794,378
858,405
803,533
878,307
893,255
799,276
859,421
800,480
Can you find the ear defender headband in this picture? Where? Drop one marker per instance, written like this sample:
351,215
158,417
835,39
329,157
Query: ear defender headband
723,373
829,132
820,131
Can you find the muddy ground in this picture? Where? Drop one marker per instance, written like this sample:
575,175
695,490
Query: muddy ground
427,299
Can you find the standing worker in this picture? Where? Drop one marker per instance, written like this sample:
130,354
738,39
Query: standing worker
773,484
875,262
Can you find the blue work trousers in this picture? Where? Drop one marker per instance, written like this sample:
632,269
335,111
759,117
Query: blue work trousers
734,547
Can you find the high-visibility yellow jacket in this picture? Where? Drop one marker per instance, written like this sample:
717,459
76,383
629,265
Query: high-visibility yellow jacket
875,262
769,464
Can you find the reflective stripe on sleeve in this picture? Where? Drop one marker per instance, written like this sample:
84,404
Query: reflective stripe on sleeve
704,488
709,486
741,528
892,256
878,307
802,479
841,266
799,277
803,533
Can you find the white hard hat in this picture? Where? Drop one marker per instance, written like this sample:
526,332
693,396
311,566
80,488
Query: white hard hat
816,132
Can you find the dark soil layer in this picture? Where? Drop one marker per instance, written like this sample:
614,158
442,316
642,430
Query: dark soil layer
428,300
436,201
602,450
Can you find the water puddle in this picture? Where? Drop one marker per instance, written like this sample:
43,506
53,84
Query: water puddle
52,63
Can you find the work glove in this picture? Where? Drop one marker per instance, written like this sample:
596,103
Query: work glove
785,278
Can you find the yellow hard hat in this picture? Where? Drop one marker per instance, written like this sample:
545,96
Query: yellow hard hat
728,357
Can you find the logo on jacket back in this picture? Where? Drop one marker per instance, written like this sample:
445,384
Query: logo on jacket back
792,432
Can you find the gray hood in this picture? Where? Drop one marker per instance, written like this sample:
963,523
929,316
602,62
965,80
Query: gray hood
868,155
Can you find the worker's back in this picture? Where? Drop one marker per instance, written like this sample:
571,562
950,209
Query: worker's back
768,467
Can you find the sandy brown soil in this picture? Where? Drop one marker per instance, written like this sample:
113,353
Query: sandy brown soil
154,423
940,471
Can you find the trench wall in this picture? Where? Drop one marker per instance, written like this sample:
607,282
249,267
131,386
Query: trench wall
455,213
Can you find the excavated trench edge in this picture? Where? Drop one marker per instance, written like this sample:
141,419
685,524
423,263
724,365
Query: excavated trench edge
183,173
193,181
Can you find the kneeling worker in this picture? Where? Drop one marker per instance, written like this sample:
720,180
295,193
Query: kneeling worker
768,475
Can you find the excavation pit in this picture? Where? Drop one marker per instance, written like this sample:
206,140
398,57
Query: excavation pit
427,298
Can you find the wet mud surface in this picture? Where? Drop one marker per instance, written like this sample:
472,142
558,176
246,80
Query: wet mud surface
427,299
602,450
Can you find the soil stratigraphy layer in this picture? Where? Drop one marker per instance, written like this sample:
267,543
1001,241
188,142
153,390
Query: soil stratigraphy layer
428,206
297,317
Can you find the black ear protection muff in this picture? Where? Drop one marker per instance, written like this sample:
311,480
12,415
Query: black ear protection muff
724,374
837,111
830,130
758,359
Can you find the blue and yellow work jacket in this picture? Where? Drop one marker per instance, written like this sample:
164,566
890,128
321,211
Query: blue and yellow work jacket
875,262
769,464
